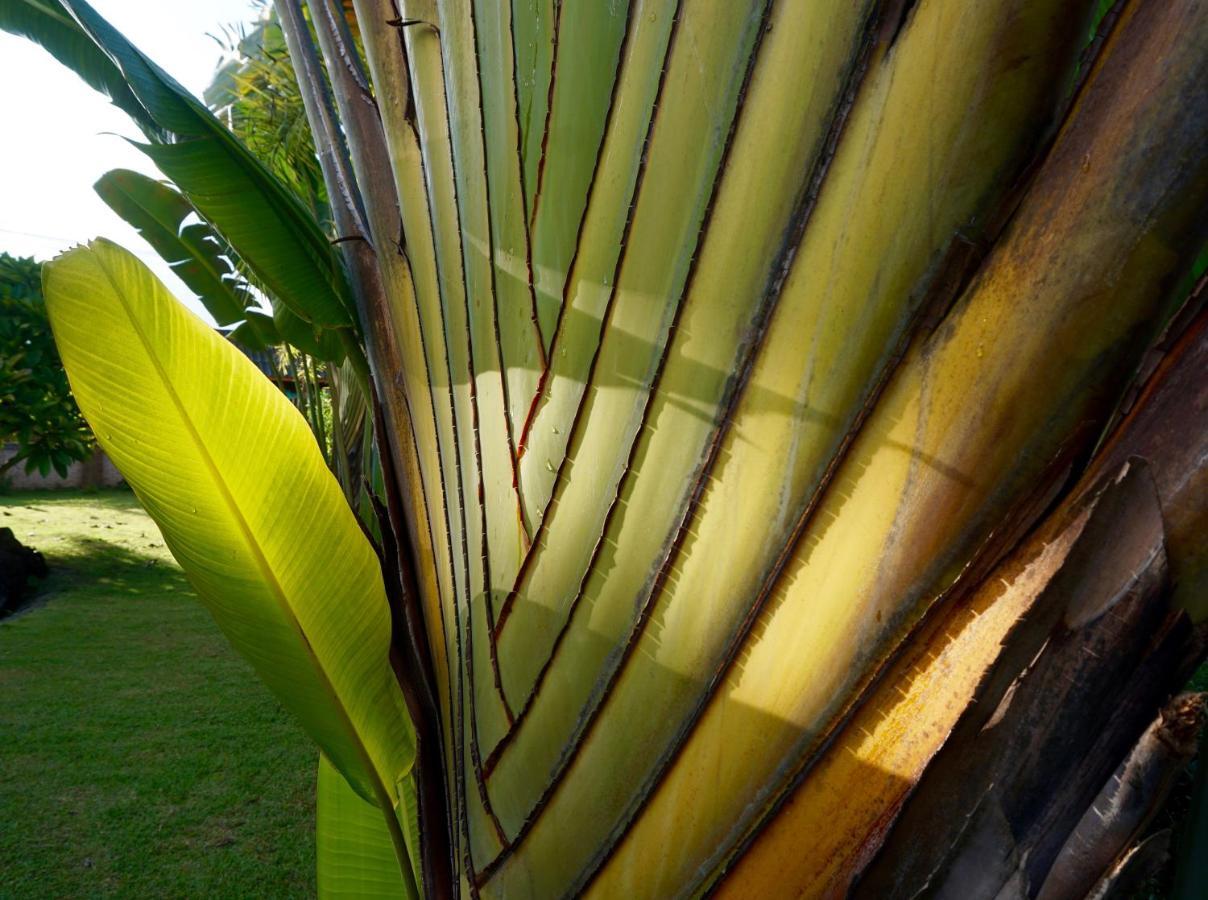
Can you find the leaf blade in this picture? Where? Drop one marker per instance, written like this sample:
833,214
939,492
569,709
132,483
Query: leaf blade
157,212
228,470
354,853
261,218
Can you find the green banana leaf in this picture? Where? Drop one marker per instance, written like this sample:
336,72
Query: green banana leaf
230,472
202,259
353,849
257,332
47,23
194,252
265,223
321,343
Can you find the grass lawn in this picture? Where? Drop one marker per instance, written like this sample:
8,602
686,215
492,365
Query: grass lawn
139,757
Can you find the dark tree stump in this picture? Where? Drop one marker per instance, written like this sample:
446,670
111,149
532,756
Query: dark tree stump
18,564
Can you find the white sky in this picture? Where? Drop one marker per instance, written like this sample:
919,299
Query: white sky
60,136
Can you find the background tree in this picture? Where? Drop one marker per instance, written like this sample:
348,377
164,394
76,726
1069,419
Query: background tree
256,94
37,411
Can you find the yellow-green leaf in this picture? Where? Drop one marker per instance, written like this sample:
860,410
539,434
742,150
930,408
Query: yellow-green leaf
353,849
231,474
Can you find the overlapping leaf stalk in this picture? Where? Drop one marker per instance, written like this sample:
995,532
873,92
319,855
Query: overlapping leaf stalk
754,333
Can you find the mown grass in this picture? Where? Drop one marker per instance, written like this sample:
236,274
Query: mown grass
139,757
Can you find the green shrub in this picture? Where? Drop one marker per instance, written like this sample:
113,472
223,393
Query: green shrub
37,410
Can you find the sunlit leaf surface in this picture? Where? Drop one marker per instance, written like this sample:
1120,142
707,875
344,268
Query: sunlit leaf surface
230,472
